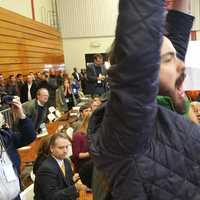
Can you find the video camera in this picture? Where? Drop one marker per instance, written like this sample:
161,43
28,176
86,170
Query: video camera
6,99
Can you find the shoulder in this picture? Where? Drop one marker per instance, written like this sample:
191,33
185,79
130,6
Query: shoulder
178,125
90,66
78,135
48,165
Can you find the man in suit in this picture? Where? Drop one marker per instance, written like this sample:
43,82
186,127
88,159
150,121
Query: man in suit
96,73
28,90
54,177
76,75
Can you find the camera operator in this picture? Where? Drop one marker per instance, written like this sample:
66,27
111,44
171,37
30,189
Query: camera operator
9,143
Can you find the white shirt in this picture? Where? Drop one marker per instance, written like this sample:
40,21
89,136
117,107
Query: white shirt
29,92
9,181
60,162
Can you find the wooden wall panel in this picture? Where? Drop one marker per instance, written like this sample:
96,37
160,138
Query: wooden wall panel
26,45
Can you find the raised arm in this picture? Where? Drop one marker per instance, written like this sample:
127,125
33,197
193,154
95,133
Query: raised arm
178,26
130,115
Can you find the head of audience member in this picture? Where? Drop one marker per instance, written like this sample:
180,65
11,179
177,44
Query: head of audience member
42,96
60,73
96,102
67,83
38,75
85,110
83,71
65,75
195,106
44,77
172,75
2,80
75,70
44,148
52,72
29,79
32,74
59,146
172,72
19,78
98,59
11,80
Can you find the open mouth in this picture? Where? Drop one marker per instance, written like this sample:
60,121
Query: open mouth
179,85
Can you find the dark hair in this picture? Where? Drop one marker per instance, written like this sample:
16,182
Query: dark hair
55,137
97,56
44,147
18,75
39,90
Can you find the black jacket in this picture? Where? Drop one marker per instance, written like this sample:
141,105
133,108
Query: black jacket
50,183
145,151
24,92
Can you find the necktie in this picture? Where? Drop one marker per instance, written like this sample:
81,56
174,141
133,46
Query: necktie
62,167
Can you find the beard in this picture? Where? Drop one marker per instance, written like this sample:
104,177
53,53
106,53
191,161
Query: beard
178,101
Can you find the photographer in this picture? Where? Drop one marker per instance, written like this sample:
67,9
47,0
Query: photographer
9,143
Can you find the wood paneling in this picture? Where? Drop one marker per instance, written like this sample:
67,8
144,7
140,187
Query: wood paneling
26,45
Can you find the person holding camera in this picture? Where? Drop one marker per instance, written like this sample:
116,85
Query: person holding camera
9,143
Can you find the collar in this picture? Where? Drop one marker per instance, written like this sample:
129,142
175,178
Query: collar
60,162
39,103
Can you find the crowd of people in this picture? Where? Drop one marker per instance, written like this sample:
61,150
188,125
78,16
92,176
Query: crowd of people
137,138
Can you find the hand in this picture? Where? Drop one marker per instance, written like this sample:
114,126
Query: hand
76,177
179,5
16,107
80,186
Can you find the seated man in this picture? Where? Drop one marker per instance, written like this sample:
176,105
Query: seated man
9,157
37,108
54,177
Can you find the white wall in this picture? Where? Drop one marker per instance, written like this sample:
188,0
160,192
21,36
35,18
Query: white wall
22,7
75,50
198,35
43,9
87,26
87,18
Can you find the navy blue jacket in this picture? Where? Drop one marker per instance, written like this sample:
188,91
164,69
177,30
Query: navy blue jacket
146,151
12,141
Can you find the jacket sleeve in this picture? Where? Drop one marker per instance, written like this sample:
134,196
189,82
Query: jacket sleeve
90,74
129,120
178,27
26,133
130,115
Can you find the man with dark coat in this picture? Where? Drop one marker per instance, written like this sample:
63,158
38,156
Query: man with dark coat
54,177
96,73
28,90
146,151
76,74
